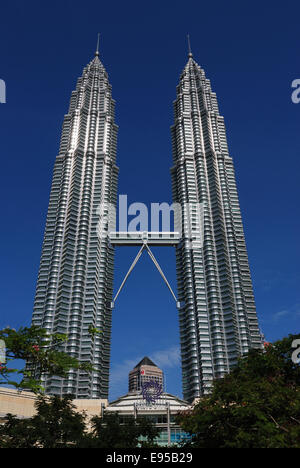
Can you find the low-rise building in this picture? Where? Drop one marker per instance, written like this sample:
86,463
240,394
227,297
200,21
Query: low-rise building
145,398
21,404
161,412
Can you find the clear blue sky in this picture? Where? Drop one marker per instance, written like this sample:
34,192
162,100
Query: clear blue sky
250,52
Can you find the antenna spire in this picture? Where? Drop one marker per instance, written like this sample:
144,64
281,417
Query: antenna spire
97,49
189,46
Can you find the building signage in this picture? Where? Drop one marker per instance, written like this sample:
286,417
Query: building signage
151,391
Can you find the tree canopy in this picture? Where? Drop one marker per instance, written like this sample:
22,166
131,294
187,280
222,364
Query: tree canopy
43,353
57,424
257,405
110,431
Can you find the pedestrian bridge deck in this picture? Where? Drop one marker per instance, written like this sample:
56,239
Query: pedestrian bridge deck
120,238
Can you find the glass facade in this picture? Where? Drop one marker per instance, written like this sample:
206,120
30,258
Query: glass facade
217,313
177,435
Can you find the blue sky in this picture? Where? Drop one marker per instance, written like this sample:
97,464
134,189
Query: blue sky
250,52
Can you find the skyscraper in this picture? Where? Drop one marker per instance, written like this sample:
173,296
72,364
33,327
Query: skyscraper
74,287
217,314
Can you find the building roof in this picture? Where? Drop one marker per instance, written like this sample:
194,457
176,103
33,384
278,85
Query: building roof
146,362
126,403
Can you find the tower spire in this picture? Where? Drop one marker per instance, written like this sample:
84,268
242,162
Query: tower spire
97,49
189,46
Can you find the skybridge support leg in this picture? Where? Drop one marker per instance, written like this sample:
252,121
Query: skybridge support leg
144,246
160,271
128,273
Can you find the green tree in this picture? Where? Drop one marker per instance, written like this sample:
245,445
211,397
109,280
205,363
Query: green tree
113,432
257,405
57,424
43,353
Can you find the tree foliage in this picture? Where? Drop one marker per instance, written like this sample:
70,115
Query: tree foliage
57,424
257,405
111,432
43,353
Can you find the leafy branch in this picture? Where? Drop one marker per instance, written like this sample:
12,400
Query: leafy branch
43,354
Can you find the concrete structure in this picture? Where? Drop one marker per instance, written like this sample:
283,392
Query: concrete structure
143,372
21,404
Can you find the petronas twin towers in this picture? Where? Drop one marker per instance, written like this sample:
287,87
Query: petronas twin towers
217,315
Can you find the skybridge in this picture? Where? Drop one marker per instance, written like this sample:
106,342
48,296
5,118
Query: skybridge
144,239
139,238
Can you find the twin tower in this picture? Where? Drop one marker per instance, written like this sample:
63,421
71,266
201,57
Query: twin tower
217,315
